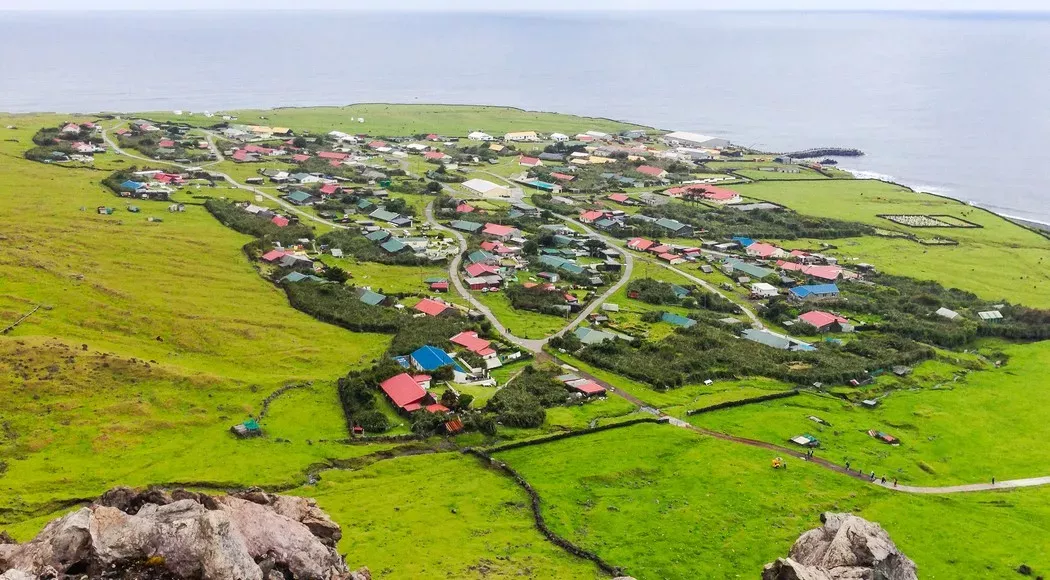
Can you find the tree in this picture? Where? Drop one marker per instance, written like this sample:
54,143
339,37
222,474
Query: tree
434,187
464,401
372,421
336,274
450,399
594,247
531,248
300,142
444,373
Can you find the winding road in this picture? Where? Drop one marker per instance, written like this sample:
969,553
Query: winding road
536,346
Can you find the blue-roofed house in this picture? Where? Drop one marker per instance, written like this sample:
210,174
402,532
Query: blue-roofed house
814,292
430,358
131,185
679,291
743,241
677,320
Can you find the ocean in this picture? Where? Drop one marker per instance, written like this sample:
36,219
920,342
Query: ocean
954,104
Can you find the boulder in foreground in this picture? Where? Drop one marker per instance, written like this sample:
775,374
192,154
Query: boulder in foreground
156,535
846,547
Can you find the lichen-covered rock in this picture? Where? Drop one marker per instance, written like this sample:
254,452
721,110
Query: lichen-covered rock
846,547
182,535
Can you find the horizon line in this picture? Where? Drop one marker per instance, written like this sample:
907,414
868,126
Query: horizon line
525,10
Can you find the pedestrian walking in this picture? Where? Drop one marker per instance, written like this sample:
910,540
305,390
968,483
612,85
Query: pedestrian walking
993,481
894,482
883,480
873,476
847,466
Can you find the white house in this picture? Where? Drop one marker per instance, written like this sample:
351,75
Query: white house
559,137
521,136
486,188
763,290
479,136
687,139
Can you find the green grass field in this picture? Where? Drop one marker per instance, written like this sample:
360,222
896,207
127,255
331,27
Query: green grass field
997,260
988,424
523,323
399,120
663,502
439,516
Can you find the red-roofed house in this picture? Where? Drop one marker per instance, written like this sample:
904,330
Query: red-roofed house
433,137
280,220
166,144
332,155
470,341
335,163
585,386
500,232
439,286
71,128
299,158
650,171
464,208
719,195
822,321
828,273
526,161
240,155
764,250
258,149
672,258
329,189
377,144
619,197
437,408
660,249
563,177
431,307
480,269
434,156
404,392
121,131
640,244
589,217
274,255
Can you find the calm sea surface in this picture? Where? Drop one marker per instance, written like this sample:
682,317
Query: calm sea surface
958,105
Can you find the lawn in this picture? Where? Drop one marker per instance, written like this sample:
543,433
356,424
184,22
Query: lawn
522,323
382,119
989,424
439,516
664,502
998,260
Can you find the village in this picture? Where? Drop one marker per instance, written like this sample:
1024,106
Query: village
526,239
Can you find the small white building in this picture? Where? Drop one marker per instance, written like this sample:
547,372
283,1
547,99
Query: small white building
521,136
486,188
479,136
763,290
947,313
560,137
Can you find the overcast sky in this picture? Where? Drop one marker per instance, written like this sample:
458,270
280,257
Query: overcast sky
542,5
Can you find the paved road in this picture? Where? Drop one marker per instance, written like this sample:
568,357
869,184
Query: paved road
536,345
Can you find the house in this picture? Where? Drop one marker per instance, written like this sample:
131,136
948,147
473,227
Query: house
384,215
672,259
946,313
274,255
481,269
333,156
591,336
329,189
378,236
559,137
773,340
481,256
732,265
677,320
479,346
526,161
552,157
814,292
650,171
561,264
990,316
280,221
300,158
369,297
592,216
249,428
465,226
431,307
479,136
394,246
486,188
586,387
620,198
500,232
640,244
687,139
633,134
300,277
300,198
823,321
764,251
763,290
675,227
562,176
404,392
481,283
521,136
430,358
297,262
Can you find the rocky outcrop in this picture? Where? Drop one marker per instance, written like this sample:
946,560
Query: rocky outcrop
846,547
156,535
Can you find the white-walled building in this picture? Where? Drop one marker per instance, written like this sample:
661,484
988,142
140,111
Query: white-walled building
687,139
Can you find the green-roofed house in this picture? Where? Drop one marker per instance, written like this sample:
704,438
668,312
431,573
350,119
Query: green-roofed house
591,336
378,236
393,245
299,197
561,264
364,204
300,277
249,428
677,320
435,280
675,227
384,215
757,272
481,256
465,226
679,291
369,297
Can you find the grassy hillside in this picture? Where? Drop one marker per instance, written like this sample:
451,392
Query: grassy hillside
666,503
997,260
393,120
